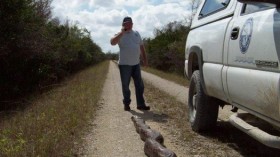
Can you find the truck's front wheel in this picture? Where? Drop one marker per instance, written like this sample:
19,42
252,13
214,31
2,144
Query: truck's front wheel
203,111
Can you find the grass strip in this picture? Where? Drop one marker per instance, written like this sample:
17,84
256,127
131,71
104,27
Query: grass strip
177,125
177,112
53,123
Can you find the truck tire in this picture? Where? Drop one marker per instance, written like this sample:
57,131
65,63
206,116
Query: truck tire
203,110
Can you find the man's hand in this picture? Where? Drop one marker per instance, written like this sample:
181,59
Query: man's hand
117,37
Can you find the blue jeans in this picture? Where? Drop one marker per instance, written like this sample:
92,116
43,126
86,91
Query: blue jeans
126,72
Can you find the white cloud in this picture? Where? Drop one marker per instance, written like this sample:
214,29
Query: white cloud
132,3
103,17
101,3
147,18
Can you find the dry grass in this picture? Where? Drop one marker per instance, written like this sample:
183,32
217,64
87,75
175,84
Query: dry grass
177,126
53,123
168,76
164,104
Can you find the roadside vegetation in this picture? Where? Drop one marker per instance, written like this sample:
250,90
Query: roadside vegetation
166,51
38,50
52,123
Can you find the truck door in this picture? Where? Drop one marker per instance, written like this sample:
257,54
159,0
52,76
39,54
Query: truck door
253,60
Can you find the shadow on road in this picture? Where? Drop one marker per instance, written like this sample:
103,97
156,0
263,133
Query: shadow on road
150,116
240,141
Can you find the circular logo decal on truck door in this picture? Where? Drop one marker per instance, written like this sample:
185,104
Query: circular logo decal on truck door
246,35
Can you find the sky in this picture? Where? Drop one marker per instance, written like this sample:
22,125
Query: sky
103,18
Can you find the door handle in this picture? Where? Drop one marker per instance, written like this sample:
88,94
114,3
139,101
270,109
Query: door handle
234,33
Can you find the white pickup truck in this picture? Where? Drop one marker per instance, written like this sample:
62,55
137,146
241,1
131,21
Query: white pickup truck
232,57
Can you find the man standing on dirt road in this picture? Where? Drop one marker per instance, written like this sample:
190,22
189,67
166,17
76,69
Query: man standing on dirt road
131,48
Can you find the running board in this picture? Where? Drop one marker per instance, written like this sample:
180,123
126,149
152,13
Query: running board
258,134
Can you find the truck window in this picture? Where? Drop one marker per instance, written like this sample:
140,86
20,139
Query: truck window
212,6
251,8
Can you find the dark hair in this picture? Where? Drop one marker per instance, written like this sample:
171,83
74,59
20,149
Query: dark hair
127,19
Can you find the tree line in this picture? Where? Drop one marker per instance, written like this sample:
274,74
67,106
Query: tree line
166,51
37,50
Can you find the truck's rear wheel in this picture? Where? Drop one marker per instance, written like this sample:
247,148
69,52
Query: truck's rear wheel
203,111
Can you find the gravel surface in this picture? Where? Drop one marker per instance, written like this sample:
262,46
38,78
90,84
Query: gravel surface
114,134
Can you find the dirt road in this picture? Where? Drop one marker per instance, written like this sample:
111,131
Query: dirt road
113,133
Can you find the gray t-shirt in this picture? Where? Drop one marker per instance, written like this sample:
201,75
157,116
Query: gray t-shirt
130,48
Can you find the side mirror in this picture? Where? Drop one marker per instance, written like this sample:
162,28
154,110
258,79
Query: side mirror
277,2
